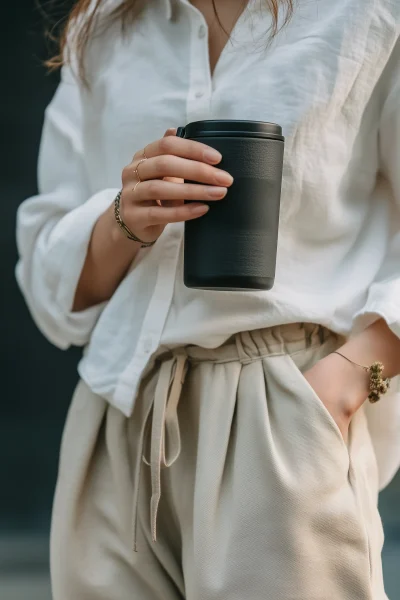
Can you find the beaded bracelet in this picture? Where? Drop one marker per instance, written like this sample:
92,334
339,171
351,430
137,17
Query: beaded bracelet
377,384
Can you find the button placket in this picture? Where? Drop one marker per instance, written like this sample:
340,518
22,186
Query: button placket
200,89
155,318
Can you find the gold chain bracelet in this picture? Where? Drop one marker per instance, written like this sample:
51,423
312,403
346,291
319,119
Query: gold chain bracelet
377,384
128,233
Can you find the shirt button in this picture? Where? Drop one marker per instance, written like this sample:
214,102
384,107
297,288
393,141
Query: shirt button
202,31
199,94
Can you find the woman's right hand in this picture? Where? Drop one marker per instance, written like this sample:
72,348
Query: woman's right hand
158,199
168,163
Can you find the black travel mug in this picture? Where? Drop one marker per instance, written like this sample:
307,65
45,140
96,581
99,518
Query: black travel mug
233,247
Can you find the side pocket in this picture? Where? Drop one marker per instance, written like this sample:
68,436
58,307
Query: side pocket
308,435
315,402
357,457
328,471
363,477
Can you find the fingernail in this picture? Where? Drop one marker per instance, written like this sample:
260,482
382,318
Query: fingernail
224,178
199,209
217,192
212,156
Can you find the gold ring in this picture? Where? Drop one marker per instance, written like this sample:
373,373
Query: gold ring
144,153
142,160
135,186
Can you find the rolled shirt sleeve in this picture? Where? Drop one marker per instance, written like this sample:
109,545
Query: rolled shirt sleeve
383,300
384,294
54,228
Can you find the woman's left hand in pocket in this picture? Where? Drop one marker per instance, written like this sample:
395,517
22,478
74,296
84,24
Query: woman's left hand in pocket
341,386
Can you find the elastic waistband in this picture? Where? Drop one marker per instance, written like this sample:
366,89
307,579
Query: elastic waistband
247,346
163,405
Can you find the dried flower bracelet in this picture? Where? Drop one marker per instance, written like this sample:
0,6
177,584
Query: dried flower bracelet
377,384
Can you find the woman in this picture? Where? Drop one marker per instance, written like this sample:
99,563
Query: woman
219,434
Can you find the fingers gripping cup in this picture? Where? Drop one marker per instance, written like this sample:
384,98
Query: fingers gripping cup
233,247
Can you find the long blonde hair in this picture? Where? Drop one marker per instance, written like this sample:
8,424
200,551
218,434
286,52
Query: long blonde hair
126,11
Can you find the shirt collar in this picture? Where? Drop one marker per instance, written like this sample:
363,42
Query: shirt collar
168,6
114,3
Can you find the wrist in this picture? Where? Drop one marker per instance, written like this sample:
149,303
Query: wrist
117,238
354,381
376,343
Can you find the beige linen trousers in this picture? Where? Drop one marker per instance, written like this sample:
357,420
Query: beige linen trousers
231,481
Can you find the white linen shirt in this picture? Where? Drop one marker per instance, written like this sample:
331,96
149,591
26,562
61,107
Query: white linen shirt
331,79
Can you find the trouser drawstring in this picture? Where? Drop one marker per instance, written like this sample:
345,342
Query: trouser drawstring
165,433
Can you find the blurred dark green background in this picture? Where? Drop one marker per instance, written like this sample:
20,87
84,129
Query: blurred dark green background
38,379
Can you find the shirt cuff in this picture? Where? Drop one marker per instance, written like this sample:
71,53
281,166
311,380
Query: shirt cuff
68,244
383,302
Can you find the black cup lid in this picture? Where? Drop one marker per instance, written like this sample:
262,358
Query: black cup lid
231,128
